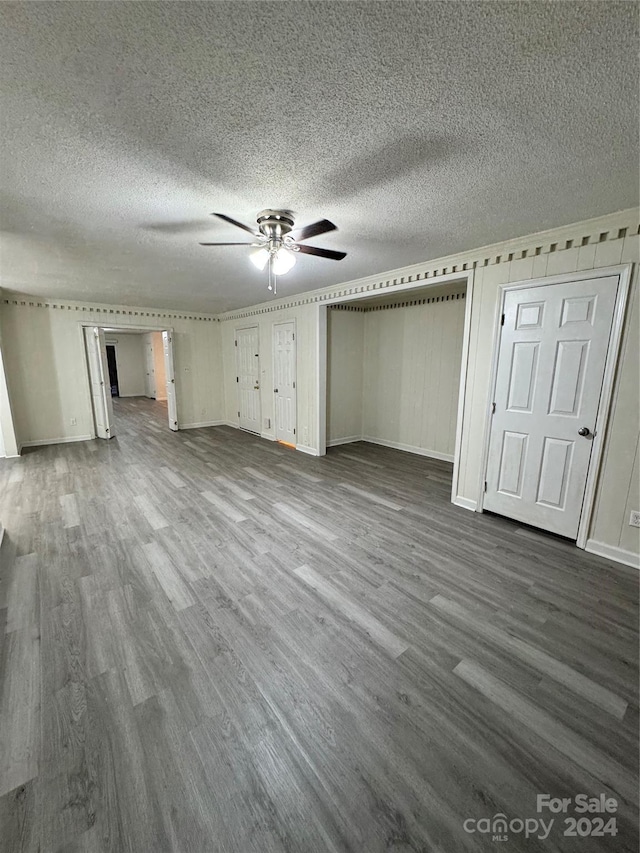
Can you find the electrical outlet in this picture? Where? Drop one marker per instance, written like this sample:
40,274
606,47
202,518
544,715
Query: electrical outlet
74,422
634,518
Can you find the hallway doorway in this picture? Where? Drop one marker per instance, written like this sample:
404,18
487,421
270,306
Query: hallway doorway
109,381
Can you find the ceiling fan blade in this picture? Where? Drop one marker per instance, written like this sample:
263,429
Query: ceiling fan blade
322,253
234,222
226,244
320,227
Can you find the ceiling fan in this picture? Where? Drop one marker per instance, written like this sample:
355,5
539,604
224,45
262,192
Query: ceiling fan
276,242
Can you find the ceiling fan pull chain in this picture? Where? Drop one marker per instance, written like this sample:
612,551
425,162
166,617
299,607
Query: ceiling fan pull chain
272,278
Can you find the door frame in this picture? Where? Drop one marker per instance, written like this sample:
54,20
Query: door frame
623,271
82,325
463,277
97,333
295,368
237,329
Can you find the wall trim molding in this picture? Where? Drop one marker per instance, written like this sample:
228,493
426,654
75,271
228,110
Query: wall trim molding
406,303
310,451
201,424
23,300
43,442
465,503
409,448
613,552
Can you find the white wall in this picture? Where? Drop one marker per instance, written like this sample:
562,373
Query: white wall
345,375
46,364
130,363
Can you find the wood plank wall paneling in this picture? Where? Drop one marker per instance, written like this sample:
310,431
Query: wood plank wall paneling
394,374
412,375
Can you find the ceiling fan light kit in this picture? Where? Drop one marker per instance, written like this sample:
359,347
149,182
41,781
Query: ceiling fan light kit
275,243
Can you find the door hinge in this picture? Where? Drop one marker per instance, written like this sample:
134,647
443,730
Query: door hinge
236,343
294,430
502,320
294,384
237,379
493,408
485,485
238,414
293,337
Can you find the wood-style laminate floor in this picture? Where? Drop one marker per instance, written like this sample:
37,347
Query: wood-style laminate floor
212,643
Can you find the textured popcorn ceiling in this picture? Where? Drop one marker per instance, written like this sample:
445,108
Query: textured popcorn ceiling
420,129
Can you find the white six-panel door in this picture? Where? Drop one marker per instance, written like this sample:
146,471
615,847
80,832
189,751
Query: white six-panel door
99,381
248,378
551,361
284,381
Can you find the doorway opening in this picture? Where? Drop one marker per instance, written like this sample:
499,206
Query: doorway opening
396,366
129,369
113,370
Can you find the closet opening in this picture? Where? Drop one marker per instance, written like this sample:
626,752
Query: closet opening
396,368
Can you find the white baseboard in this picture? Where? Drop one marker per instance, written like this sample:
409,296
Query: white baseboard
310,451
409,448
43,442
268,436
203,424
334,442
612,552
465,503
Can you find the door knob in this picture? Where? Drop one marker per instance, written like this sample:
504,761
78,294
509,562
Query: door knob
256,387
275,390
584,431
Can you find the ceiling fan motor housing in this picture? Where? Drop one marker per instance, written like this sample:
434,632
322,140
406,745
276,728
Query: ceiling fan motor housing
275,224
